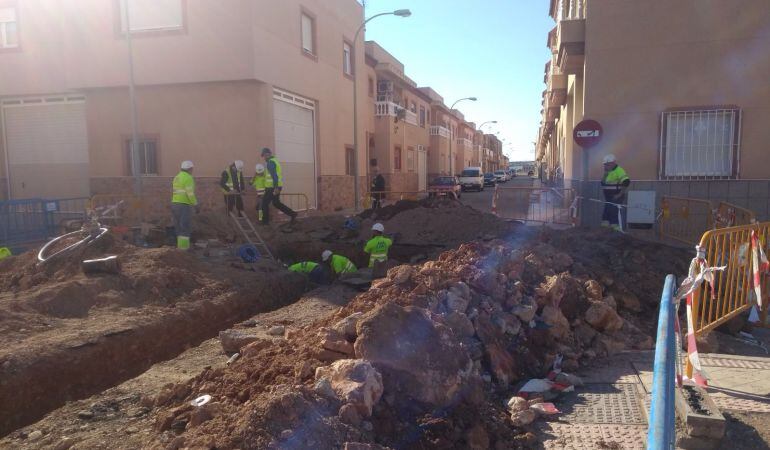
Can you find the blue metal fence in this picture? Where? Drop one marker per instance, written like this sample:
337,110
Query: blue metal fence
662,433
35,219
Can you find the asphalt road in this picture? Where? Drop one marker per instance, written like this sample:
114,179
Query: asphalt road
506,205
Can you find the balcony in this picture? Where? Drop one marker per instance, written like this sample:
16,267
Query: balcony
390,109
556,86
438,130
467,143
570,44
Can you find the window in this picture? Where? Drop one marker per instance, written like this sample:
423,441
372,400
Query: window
347,61
699,143
413,107
422,116
371,87
9,28
410,159
148,156
397,159
308,34
151,15
350,167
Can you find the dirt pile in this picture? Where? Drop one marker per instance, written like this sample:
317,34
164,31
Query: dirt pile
430,355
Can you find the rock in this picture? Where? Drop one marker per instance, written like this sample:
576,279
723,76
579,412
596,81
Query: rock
629,301
610,301
349,414
496,354
323,387
610,345
86,414
336,342
249,323
525,310
232,340
35,435
400,274
200,415
708,343
552,316
460,324
455,302
477,438
165,395
517,404
402,342
347,326
594,290
276,330
355,381
64,444
252,349
552,290
561,262
303,370
603,318
523,418
584,333
286,434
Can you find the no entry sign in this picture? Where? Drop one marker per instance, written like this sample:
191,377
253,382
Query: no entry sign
588,133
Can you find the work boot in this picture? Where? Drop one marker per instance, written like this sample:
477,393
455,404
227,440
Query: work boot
293,218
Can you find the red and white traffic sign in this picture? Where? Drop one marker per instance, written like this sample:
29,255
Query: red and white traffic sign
587,133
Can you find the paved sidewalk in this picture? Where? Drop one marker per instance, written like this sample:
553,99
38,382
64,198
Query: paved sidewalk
610,411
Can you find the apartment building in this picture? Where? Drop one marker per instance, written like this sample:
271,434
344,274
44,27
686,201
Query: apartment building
463,143
679,88
492,153
398,143
215,82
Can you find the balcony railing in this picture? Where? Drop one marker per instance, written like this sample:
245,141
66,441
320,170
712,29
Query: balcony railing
438,130
391,109
467,143
571,9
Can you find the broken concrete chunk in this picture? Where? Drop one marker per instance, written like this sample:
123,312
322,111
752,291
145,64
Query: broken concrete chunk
347,326
355,381
603,318
232,340
517,404
594,290
277,330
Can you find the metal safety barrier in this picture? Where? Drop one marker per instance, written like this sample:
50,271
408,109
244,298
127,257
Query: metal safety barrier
26,220
686,219
731,291
661,434
536,205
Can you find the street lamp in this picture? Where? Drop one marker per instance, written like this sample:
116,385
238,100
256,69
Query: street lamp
487,122
399,13
451,136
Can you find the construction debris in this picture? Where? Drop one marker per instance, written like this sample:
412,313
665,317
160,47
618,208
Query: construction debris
426,357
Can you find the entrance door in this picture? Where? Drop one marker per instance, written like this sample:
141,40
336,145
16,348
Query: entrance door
294,121
422,168
47,146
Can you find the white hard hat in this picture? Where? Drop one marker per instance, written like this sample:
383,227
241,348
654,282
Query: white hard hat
378,227
238,164
259,168
326,255
187,165
609,159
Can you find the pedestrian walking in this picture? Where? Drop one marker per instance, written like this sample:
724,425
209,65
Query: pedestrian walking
273,187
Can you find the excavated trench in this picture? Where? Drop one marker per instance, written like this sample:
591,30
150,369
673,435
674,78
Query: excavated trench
35,379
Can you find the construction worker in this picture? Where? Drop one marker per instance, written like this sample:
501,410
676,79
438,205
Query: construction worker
303,267
258,183
614,185
377,188
378,245
273,186
183,202
232,186
5,252
338,263
315,272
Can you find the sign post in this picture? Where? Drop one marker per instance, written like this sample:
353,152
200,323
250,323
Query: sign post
587,134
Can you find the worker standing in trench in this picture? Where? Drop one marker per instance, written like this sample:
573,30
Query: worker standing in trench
232,186
614,185
183,201
258,183
377,247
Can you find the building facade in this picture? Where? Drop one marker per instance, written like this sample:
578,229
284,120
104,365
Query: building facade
680,91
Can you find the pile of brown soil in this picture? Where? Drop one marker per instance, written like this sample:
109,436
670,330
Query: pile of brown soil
438,348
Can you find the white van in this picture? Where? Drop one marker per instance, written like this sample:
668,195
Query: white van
472,178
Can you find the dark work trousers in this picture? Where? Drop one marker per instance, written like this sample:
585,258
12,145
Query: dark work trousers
376,200
236,201
271,197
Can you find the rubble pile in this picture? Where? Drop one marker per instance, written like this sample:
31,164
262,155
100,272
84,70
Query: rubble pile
431,355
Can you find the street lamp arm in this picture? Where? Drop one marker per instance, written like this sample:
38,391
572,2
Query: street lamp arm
363,25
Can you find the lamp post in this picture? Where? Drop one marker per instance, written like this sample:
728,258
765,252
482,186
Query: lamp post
451,135
135,166
399,13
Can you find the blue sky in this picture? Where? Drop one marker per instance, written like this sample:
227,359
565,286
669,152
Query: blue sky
491,49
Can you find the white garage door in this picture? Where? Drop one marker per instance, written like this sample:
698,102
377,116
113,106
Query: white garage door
47,147
295,143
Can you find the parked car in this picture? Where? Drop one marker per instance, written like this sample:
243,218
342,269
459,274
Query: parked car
444,186
501,176
472,178
489,179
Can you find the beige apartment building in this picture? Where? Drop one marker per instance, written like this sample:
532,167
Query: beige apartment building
680,89
397,144
216,81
